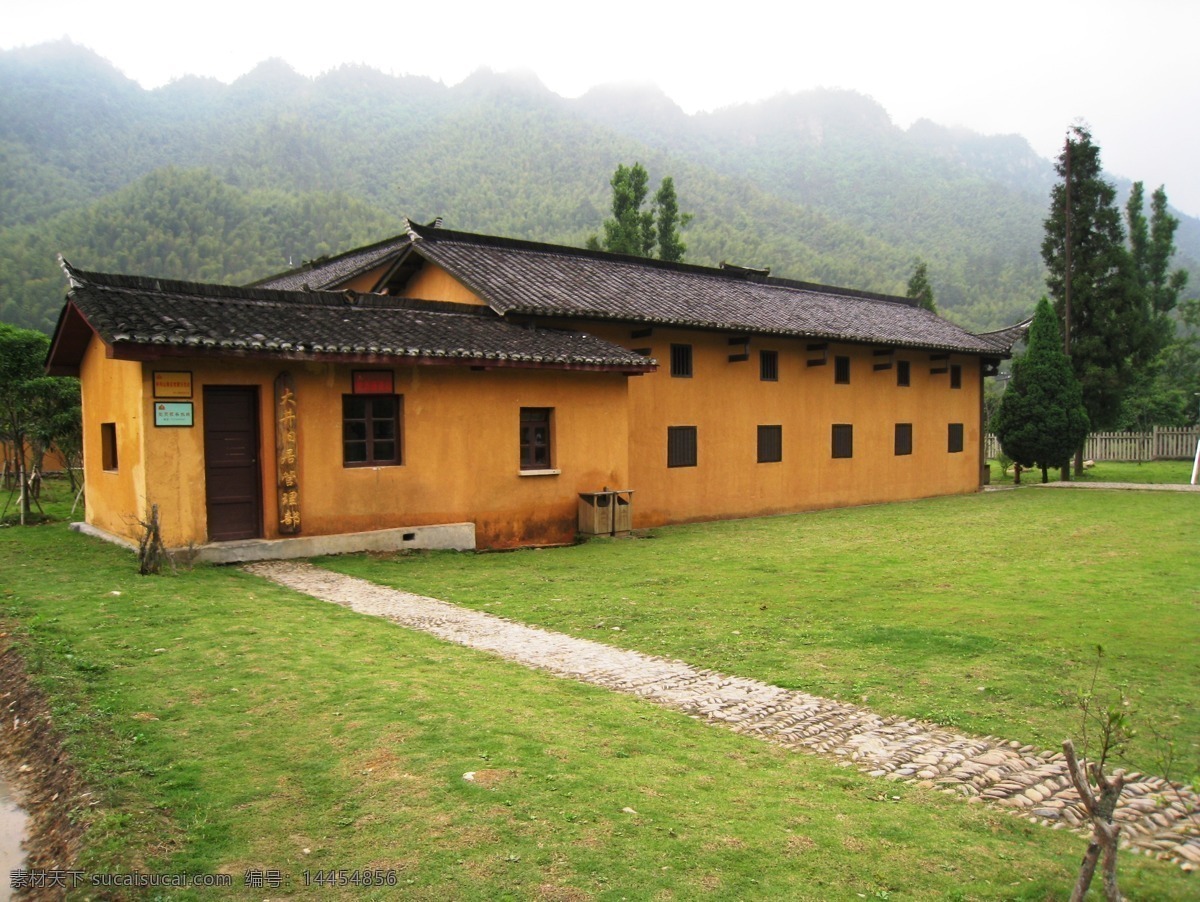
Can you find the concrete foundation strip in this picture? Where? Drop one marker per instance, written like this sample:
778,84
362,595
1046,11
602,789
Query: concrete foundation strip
1157,817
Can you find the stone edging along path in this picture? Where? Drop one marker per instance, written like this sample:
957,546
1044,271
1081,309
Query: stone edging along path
1157,817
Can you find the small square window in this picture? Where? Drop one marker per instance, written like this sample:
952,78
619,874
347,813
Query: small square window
768,366
770,444
681,361
371,430
681,446
841,370
954,442
108,446
955,375
903,438
843,440
903,373
535,438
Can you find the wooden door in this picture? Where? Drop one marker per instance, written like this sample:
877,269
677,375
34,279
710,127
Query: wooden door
233,480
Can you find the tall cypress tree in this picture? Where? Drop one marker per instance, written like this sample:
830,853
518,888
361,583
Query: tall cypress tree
635,231
1041,420
1108,310
919,288
631,230
669,222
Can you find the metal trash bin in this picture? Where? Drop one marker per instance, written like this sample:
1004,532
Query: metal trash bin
606,513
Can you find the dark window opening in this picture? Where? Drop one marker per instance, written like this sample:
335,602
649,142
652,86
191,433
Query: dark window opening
681,446
955,375
768,366
841,370
955,438
903,438
681,361
843,440
903,372
370,430
535,438
108,446
770,444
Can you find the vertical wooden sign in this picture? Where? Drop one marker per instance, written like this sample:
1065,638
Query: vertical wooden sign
286,455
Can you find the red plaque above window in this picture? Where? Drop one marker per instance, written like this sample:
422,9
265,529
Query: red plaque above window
374,382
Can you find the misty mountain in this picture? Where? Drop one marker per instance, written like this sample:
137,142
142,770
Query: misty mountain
233,182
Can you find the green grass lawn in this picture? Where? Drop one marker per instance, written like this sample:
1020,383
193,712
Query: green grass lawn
227,724
1176,472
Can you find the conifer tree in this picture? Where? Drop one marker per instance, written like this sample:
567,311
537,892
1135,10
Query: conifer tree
635,231
631,230
1108,312
1041,420
919,288
668,222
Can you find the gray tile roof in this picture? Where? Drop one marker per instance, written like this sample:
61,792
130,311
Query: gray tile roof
548,280
146,315
1004,339
329,271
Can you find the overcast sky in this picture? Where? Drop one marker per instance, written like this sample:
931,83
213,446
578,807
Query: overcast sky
1128,69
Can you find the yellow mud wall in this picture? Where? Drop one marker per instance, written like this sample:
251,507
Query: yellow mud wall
432,283
460,452
175,457
727,401
111,392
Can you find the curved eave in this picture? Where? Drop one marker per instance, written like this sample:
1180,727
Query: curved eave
983,350
69,342
122,349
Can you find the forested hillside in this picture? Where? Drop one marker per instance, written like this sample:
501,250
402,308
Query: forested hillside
201,180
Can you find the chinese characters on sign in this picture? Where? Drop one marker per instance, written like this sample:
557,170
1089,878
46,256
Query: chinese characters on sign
173,413
172,384
374,382
288,486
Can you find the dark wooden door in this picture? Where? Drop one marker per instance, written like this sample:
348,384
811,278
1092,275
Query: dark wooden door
233,482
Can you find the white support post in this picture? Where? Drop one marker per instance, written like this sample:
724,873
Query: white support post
1196,465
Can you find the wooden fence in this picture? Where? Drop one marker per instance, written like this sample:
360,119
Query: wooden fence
1162,443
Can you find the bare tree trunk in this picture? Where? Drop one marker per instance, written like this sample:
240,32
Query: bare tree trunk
1105,834
23,490
151,552
1087,869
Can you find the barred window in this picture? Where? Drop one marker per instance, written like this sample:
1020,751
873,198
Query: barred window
681,361
768,366
843,440
841,370
955,438
770,444
681,446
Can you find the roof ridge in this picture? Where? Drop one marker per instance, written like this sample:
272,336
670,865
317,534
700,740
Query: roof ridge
318,263
737,274
288,296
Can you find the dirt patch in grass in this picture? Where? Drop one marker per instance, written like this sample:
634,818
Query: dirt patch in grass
488,778
798,845
34,763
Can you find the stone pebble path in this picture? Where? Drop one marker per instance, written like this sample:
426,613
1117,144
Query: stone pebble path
1157,817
